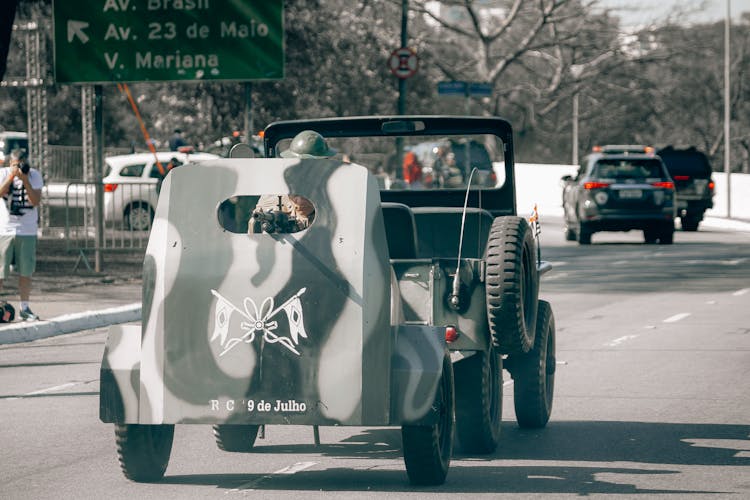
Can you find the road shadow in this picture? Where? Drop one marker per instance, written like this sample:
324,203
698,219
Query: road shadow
654,449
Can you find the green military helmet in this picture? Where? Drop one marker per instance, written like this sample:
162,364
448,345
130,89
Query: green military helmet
308,144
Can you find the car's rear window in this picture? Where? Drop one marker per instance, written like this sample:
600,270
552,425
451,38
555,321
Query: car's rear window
609,168
11,143
133,170
692,163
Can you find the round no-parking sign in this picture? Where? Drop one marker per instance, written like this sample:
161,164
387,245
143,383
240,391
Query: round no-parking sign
403,62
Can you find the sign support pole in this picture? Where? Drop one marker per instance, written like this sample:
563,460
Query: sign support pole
99,171
402,88
248,126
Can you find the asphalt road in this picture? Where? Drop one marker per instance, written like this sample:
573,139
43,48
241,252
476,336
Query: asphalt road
651,400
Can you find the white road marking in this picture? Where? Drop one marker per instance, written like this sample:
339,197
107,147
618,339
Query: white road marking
620,340
52,389
676,317
710,302
741,292
620,262
291,469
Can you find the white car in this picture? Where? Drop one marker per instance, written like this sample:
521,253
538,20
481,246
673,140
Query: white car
129,187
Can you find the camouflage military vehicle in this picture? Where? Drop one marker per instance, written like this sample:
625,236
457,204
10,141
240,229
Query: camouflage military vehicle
392,307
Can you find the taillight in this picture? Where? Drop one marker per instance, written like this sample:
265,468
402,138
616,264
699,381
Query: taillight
711,185
663,184
110,188
595,185
596,149
682,177
649,150
493,178
451,334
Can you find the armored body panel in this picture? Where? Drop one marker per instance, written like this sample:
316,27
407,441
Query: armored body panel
267,328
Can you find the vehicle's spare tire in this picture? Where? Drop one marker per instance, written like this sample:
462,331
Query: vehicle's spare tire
512,284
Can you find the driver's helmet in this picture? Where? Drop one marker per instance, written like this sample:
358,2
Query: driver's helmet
308,144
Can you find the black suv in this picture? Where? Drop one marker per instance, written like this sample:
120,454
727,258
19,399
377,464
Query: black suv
691,173
620,190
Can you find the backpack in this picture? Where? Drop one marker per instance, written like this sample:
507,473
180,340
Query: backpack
7,312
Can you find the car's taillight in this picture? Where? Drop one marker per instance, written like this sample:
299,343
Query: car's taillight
110,188
493,178
663,184
711,185
682,177
595,185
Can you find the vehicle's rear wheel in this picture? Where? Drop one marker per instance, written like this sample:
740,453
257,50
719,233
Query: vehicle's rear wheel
650,235
139,216
689,223
428,448
584,234
144,450
512,284
534,374
570,235
666,237
239,438
479,403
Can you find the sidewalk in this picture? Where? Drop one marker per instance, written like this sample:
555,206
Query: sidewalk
69,300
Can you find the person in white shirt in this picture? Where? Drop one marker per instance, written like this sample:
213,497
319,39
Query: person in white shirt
21,189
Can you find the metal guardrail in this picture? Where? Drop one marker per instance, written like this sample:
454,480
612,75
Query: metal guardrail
70,212
66,162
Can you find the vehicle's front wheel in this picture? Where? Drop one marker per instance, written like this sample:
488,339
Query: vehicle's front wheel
238,438
479,403
139,216
144,450
534,374
512,284
428,448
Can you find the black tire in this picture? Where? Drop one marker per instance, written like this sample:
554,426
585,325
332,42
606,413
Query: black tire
570,235
428,448
512,284
689,223
667,236
143,450
237,438
139,216
584,234
650,235
534,374
479,402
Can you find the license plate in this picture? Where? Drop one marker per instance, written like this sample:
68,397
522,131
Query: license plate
630,194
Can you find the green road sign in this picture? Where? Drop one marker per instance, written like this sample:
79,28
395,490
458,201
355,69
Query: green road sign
98,41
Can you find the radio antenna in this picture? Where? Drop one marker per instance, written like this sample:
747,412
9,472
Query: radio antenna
454,299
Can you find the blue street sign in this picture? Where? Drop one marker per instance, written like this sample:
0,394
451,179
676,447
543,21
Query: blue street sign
465,88
480,89
452,88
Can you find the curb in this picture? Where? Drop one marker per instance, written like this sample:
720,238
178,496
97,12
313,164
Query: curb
15,333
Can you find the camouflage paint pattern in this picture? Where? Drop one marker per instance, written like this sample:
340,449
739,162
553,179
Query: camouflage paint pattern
270,328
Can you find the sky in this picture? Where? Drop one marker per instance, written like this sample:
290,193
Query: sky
637,12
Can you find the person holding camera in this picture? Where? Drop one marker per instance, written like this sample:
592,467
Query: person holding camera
21,189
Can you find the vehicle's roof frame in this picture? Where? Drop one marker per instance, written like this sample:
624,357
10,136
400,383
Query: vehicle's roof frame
499,201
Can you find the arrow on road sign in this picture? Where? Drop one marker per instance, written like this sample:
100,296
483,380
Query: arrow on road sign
75,29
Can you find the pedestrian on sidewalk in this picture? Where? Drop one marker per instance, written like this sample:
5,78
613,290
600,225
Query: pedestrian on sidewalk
21,189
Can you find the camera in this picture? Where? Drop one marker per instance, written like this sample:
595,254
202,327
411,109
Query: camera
25,167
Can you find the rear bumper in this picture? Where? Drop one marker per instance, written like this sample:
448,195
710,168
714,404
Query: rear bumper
626,222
